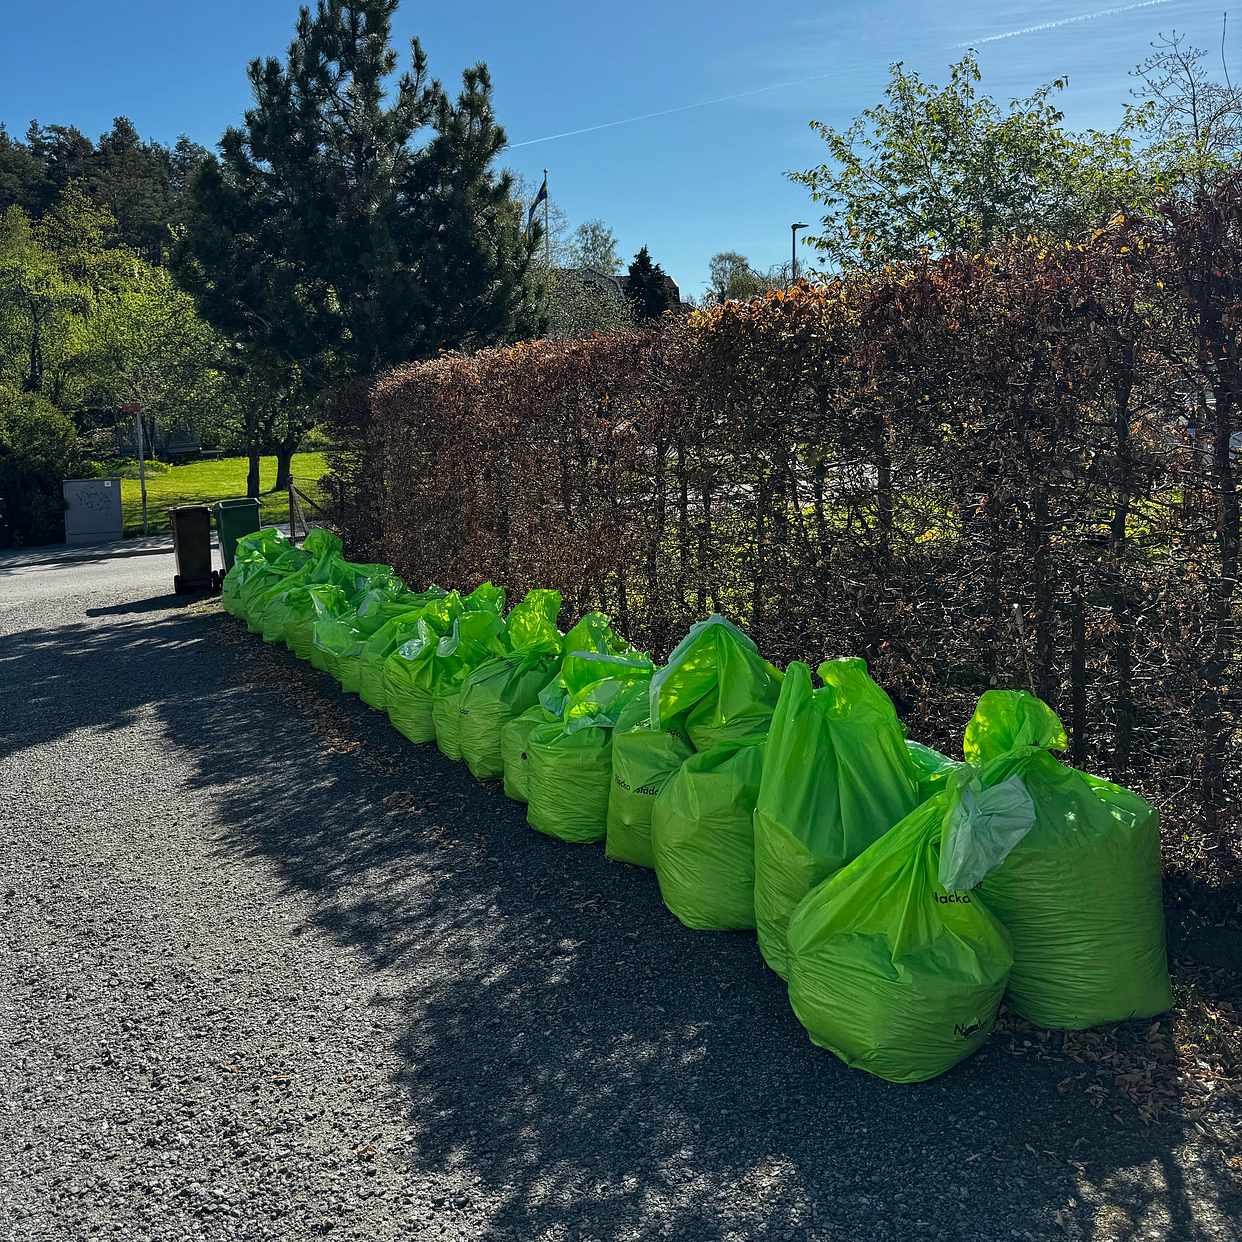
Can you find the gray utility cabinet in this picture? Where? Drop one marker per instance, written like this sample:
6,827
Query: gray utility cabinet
93,510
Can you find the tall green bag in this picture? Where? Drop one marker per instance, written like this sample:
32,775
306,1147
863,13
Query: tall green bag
703,836
644,760
569,768
501,689
895,965
475,638
411,670
717,683
836,776
395,630
1080,894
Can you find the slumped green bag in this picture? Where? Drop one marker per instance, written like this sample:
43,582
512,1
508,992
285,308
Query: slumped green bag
895,964
569,768
1080,894
837,774
644,760
703,837
717,681
500,690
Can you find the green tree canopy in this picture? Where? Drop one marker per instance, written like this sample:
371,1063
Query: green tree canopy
594,245
353,222
947,168
648,287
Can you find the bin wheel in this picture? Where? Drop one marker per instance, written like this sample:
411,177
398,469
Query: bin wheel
177,587
216,580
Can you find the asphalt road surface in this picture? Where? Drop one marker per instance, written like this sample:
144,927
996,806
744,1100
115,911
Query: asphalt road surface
270,972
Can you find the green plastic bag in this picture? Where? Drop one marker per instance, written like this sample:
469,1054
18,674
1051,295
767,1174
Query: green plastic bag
256,550
409,670
717,681
1080,894
272,610
895,971
266,577
377,607
474,638
306,605
703,837
644,760
576,673
376,650
837,774
500,690
569,768
514,743
932,769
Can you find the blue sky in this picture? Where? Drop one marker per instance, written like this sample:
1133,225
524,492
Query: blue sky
688,183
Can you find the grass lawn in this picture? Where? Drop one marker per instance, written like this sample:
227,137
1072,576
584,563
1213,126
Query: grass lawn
205,482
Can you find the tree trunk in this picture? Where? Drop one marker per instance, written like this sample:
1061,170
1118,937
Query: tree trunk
252,474
284,466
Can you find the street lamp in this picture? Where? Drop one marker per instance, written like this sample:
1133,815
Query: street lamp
793,229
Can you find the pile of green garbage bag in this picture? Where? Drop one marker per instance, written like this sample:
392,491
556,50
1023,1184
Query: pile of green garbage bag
837,774
344,638
269,610
263,560
900,892
1080,893
716,688
569,770
895,963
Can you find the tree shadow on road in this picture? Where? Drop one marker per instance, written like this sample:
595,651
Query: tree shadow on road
605,1073
587,1067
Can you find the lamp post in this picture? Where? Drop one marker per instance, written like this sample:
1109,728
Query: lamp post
793,229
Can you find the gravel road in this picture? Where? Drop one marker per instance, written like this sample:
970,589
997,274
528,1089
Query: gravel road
269,972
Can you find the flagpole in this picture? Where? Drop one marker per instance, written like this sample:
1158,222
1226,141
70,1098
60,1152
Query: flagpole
547,230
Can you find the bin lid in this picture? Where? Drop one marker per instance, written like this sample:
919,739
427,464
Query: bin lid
189,508
237,502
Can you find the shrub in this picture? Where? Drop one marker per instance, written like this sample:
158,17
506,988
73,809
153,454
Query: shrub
1013,468
38,450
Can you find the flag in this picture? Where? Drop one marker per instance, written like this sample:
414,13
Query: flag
539,198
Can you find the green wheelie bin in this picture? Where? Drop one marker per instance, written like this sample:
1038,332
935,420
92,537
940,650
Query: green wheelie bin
235,518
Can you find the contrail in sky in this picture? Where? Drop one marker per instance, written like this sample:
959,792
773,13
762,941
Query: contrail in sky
1064,21
820,77
651,116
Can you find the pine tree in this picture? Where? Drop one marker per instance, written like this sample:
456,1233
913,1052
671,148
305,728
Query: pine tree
345,228
647,286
